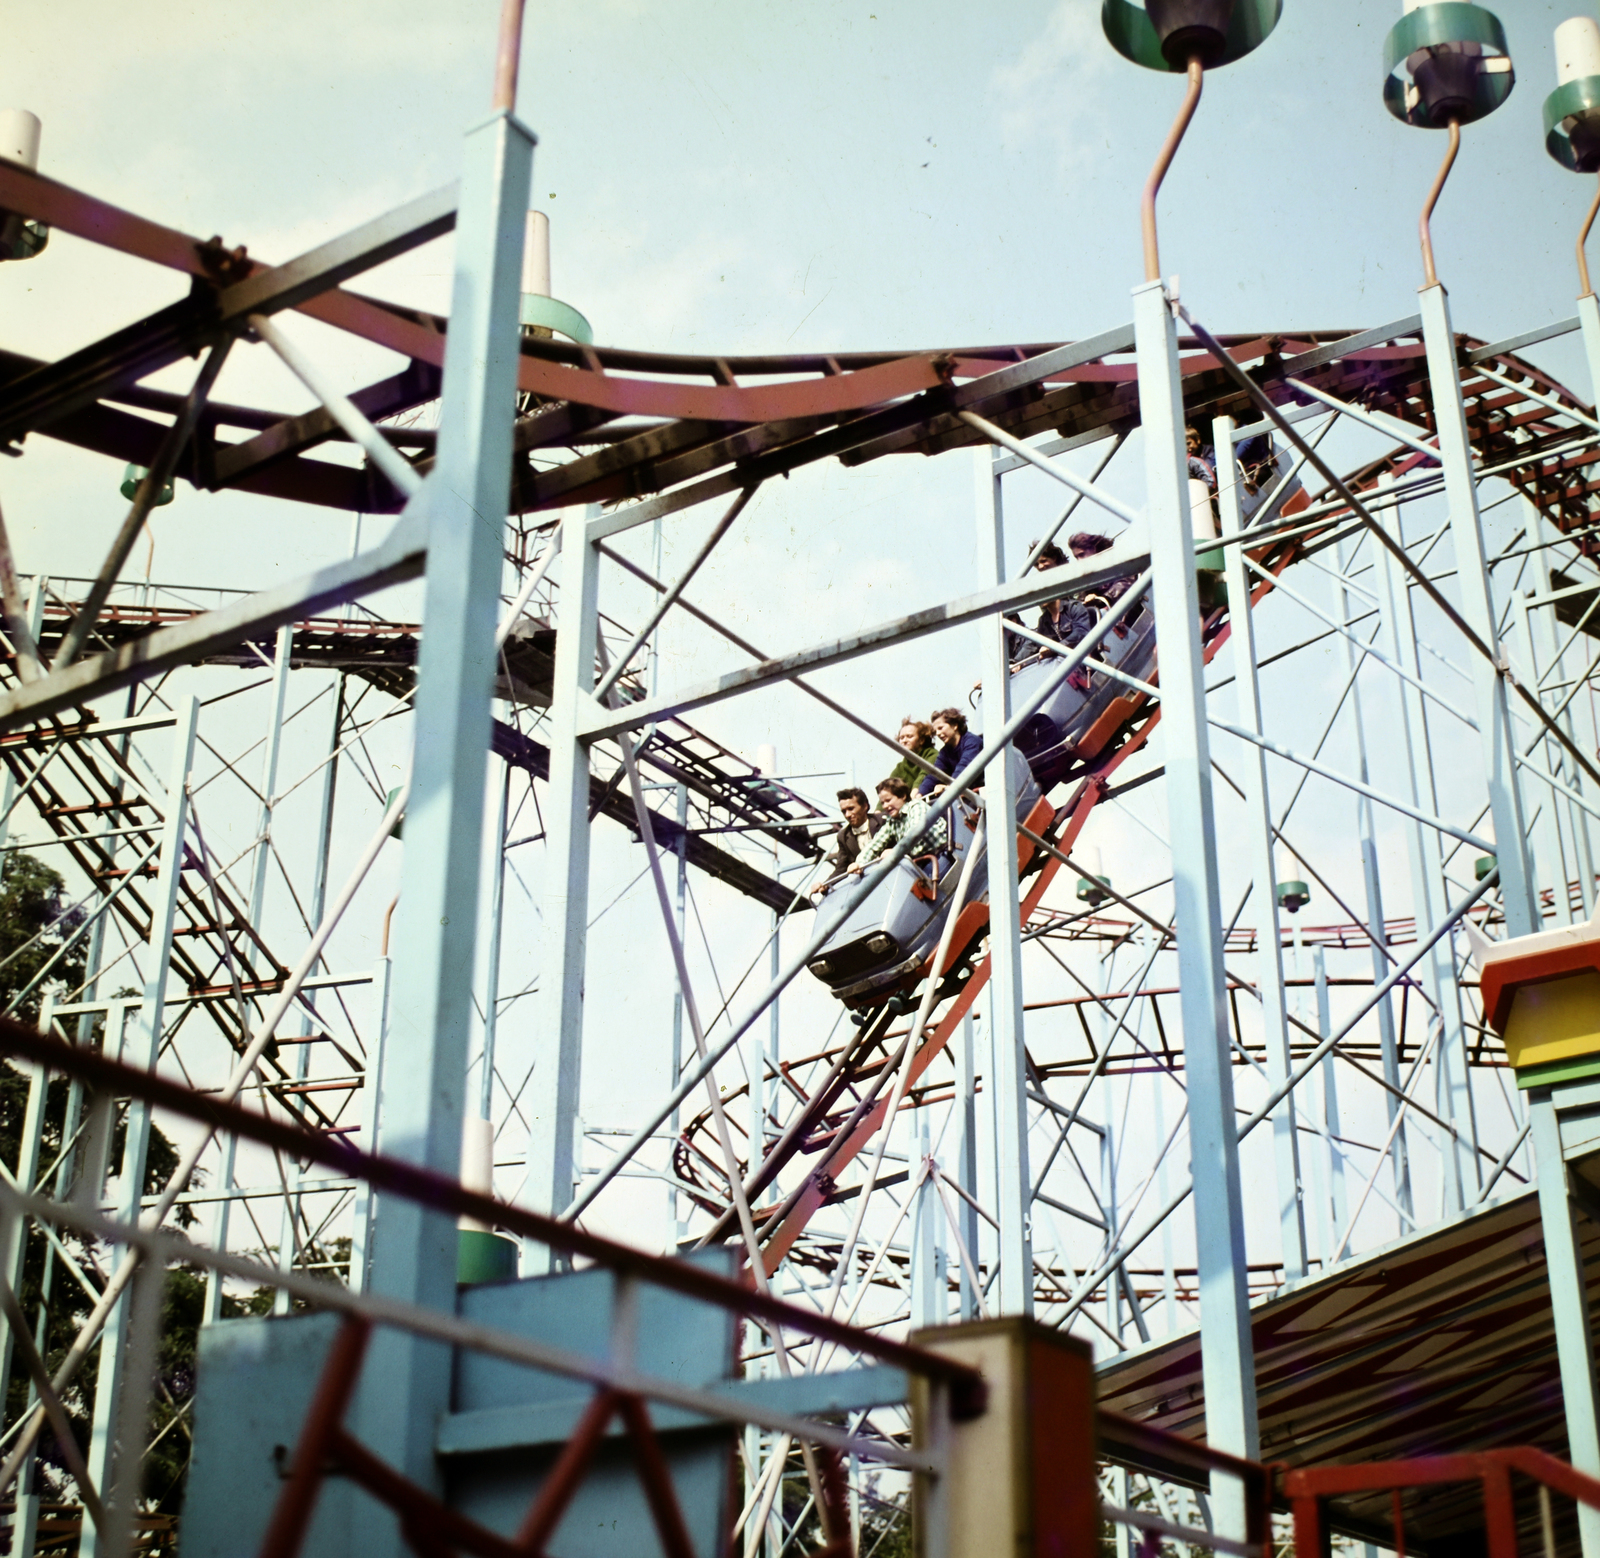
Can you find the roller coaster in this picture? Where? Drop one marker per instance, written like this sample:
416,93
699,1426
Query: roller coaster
607,440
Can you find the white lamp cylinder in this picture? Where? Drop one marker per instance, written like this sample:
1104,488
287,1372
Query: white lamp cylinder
1089,858
1201,517
536,255
477,1163
1577,49
19,136
767,759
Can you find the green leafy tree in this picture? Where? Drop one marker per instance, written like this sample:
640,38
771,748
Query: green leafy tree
36,924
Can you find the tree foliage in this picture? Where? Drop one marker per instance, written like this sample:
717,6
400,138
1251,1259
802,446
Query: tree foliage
36,926
38,956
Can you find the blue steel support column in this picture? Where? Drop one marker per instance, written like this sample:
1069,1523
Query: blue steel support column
1227,1362
1472,581
1569,1303
406,1381
1430,897
140,1048
966,1156
553,1094
1258,804
1012,1196
1589,319
1399,1153
1569,1296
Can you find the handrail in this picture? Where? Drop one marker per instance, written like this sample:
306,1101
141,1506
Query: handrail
966,1385
1307,1487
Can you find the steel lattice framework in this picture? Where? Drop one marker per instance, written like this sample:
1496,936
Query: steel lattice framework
1022,1124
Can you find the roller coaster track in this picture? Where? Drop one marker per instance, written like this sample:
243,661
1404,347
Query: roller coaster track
1523,425
657,433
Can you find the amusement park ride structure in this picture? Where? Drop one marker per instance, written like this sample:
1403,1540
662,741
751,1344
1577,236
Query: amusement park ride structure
964,1151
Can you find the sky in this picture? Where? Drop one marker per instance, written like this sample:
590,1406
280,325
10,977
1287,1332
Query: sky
761,177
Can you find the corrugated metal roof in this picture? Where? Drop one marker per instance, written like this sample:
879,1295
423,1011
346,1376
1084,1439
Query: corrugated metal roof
1439,1343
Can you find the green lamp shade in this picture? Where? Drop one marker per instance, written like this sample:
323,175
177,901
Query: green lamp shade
1294,896
21,237
484,1257
133,476
1482,866
399,822
1161,36
1457,62
1092,889
1572,124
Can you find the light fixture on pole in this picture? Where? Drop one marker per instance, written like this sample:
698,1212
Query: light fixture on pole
20,237
1445,65
1572,116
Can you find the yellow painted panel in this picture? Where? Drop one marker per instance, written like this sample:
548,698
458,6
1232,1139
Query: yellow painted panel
1554,1020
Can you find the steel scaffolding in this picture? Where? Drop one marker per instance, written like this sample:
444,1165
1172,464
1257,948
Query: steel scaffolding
1018,1125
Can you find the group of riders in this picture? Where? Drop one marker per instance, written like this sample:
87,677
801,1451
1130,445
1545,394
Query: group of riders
946,744
943,743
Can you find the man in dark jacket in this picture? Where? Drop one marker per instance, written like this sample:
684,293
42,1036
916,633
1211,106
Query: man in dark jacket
859,826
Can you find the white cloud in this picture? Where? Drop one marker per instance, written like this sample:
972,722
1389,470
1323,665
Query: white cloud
1051,91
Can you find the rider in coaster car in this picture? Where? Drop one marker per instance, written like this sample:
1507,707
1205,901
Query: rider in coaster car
1258,460
857,831
906,817
1087,543
916,736
958,748
1068,618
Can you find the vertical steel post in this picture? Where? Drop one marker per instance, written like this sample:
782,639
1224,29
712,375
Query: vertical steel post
927,1221
675,1229
491,982
1227,1361
365,1212
8,784
1569,1302
1330,1100
269,773
406,1382
1497,731
141,1049
1429,898
1589,322
1399,1152
1569,1290
1548,861
1006,1034
325,790
25,1523
1258,807
553,1096
967,1165
16,1227
1547,657
769,1090
1108,1202
1169,1273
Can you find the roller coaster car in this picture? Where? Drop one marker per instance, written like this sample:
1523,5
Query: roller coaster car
896,928
881,950
1069,726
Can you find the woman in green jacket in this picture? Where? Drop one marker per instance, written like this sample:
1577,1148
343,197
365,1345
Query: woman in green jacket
915,736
